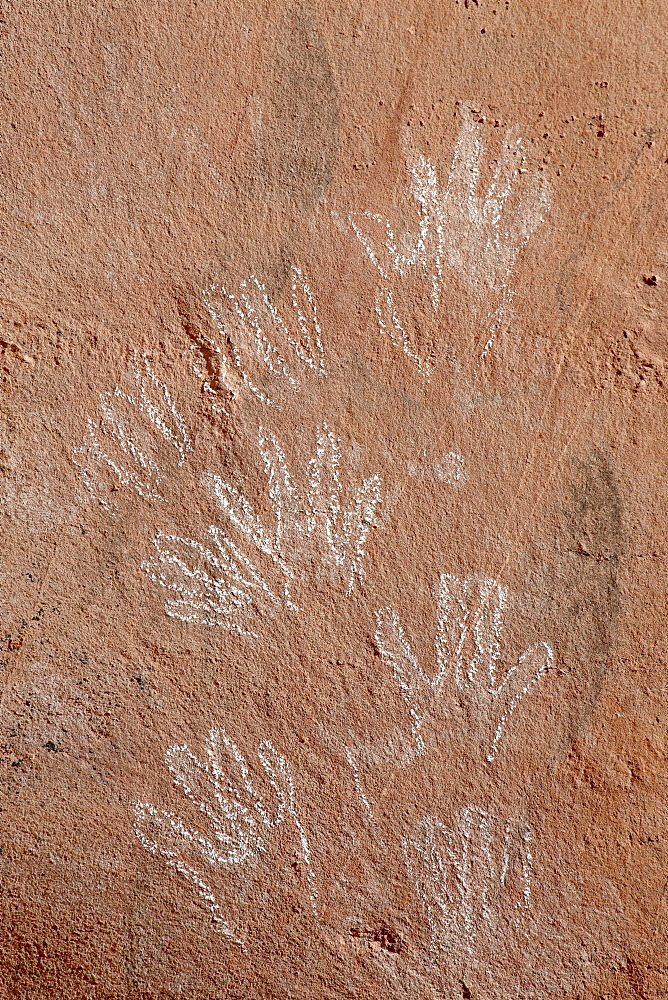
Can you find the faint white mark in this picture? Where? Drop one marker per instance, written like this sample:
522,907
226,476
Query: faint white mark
479,236
498,320
239,819
449,469
319,527
474,877
195,141
467,647
43,709
126,445
256,349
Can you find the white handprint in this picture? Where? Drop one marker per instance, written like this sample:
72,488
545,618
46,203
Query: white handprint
133,441
239,819
467,647
479,236
471,879
256,349
312,527
211,587
319,528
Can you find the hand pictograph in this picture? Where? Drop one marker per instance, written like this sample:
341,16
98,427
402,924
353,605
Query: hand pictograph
474,877
471,879
256,349
467,647
320,526
478,235
322,522
240,821
214,585
138,434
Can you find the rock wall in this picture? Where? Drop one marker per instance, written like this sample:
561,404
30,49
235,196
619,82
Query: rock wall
333,356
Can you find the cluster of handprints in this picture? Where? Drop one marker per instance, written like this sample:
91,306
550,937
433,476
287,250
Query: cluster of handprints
249,566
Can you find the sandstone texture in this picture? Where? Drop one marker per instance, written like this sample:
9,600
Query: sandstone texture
333,365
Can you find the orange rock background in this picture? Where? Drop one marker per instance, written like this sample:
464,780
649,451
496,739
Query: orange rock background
295,794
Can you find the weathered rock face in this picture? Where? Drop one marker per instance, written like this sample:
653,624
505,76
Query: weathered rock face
334,356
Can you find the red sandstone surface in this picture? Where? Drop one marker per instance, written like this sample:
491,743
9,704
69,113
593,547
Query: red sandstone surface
332,490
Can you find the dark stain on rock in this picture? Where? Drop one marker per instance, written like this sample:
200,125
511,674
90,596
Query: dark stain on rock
575,568
594,518
591,537
296,128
